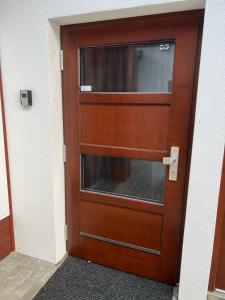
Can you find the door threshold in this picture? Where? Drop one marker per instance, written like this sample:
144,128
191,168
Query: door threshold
216,295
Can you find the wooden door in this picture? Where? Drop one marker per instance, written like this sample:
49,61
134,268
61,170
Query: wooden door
217,276
122,209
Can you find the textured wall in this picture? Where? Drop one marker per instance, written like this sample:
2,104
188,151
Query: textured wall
207,156
29,57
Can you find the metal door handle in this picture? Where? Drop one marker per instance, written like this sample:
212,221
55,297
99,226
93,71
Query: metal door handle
172,162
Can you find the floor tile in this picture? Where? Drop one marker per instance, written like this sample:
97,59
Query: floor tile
22,276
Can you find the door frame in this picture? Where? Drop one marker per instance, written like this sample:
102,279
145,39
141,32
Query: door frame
218,231
191,132
6,225
68,187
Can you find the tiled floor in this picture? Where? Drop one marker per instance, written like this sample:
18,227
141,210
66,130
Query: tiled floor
21,276
216,296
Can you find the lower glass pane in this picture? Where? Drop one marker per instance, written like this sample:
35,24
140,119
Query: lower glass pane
141,179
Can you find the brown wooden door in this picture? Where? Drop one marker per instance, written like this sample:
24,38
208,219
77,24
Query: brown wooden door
217,276
122,209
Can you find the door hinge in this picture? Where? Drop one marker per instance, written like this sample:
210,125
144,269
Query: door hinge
64,153
61,59
66,232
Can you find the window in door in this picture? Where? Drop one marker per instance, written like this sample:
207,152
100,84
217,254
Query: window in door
135,178
146,67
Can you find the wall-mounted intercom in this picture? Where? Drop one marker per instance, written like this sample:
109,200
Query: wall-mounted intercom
26,98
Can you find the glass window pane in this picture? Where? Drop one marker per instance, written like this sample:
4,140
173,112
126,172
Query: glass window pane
142,179
128,68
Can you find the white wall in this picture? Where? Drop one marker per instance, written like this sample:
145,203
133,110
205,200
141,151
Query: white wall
29,54
4,201
207,156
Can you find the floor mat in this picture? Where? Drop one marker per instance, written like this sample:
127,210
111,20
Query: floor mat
78,279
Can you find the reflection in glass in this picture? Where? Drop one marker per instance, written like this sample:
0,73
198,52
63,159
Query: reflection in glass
128,68
135,178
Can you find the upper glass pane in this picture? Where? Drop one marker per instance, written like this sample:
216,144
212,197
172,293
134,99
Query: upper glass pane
141,179
128,68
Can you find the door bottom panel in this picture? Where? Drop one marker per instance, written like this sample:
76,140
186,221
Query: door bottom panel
121,258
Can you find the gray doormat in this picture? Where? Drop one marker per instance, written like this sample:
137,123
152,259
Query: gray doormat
78,279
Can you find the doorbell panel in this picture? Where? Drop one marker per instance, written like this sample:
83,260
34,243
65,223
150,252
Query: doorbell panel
26,98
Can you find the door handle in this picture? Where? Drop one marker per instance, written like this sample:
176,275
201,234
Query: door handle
172,162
